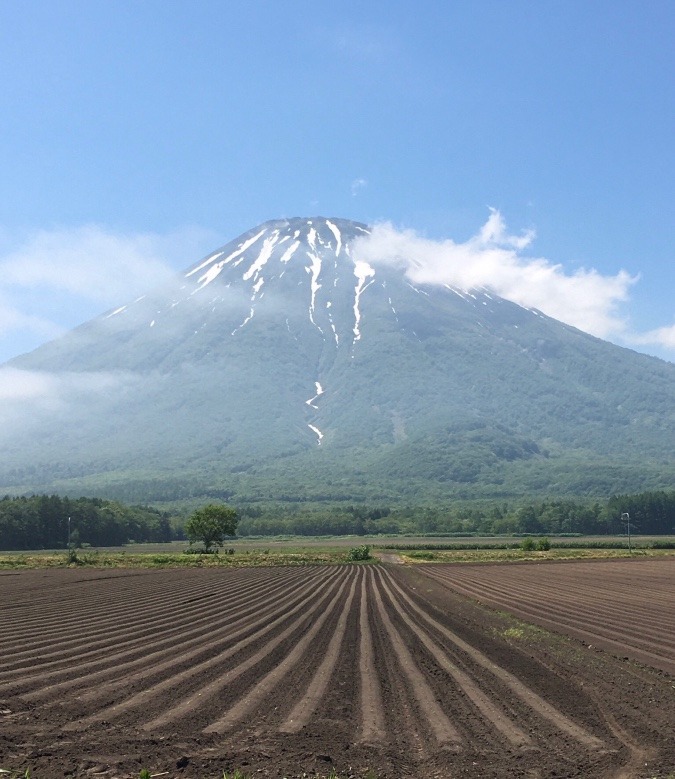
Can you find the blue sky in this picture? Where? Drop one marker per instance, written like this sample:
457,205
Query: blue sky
137,136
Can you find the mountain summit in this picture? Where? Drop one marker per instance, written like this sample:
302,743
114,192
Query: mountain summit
284,367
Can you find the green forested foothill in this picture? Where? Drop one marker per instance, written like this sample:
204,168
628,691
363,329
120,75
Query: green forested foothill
51,521
41,521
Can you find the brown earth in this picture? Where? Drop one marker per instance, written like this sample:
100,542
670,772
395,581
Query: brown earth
286,671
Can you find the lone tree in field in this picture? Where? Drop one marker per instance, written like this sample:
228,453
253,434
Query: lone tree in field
211,524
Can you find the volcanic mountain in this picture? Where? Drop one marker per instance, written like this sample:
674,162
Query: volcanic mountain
282,367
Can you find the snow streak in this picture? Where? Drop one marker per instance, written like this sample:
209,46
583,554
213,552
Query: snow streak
314,269
214,270
289,252
319,392
338,236
263,257
318,433
246,321
363,272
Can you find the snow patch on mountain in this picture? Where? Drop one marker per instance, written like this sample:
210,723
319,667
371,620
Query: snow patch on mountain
317,432
363,272
338,236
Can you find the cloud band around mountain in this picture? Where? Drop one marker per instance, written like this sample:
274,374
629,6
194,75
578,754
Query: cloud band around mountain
495,259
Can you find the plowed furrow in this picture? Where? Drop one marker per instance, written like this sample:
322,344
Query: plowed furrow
483,703
141,621
307,705
372,718
532,593
612,602
212,666
82,657
253,698
588,619
517,687
444,731
75,610
160,655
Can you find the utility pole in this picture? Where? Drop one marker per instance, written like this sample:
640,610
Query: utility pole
68,532
625,517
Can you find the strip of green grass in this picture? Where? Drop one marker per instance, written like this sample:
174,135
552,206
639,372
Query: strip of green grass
96,559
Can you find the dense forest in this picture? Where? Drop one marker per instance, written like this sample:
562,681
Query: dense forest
51,522
651,513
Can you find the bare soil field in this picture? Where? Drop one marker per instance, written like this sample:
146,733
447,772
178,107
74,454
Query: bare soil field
624,606
293,671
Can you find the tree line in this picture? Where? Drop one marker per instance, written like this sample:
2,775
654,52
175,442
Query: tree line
651,513
51,522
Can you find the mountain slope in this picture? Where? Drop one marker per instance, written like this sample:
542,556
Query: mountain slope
281,367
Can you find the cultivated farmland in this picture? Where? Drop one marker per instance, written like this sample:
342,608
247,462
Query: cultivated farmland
285,671
625,607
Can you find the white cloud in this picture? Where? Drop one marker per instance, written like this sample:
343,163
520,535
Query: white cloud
494,259
52,280
661,336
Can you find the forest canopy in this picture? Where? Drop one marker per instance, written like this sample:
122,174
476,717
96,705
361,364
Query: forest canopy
51,522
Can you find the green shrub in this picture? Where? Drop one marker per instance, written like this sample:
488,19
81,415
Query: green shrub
359,553
543,545
528,544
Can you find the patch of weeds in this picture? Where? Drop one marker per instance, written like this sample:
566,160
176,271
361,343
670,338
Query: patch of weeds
422,555
517,630
512,633
72,558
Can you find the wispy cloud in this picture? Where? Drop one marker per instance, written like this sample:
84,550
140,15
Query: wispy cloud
71,274
357,186
27,396
93,262
661,336
11,319
53,389
495,259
